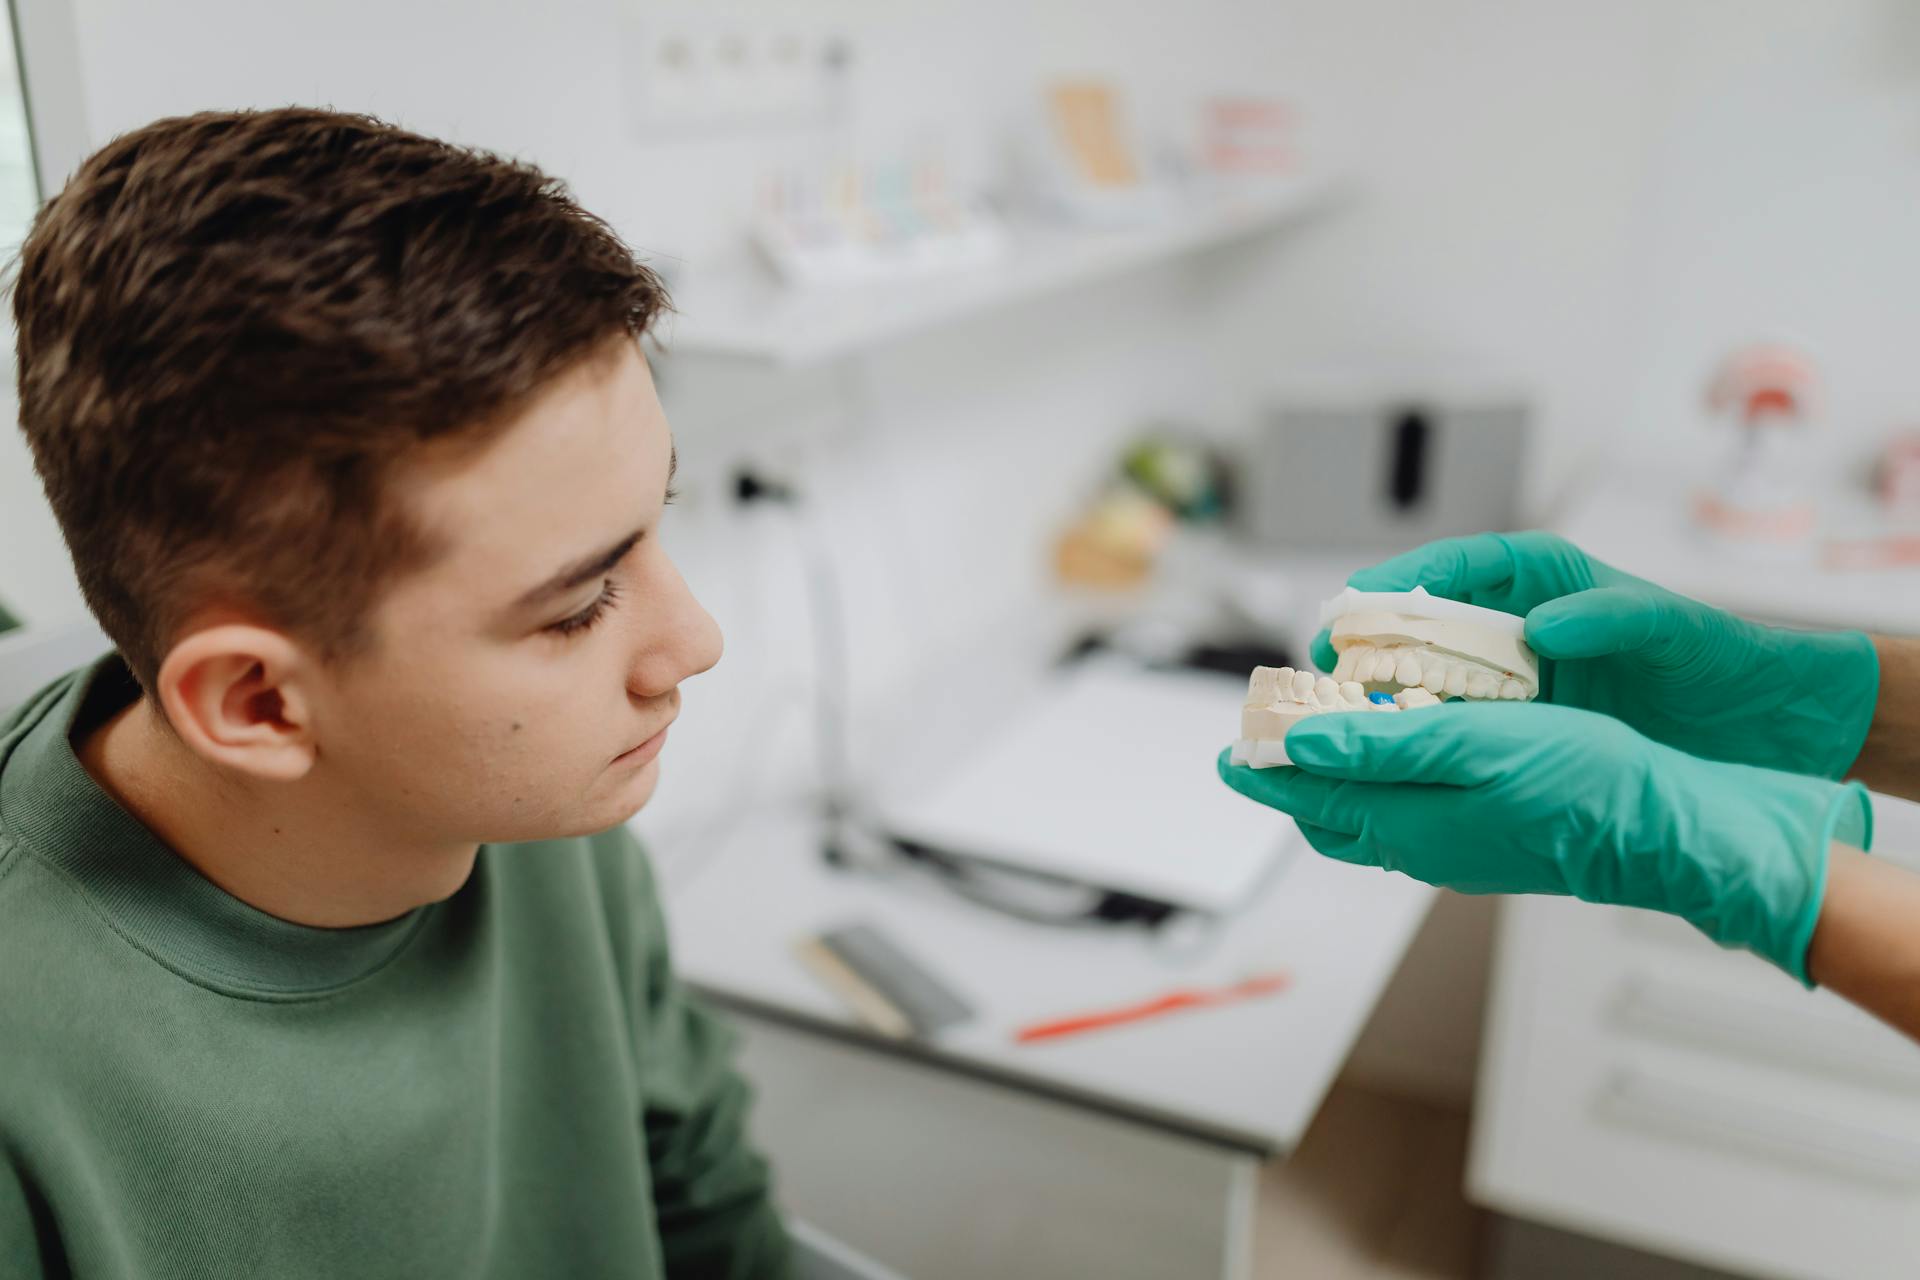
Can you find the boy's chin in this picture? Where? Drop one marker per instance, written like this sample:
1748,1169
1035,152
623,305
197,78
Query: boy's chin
640,787
632,793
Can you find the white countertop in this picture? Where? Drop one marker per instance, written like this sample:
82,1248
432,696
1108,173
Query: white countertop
1640,522
1249,1074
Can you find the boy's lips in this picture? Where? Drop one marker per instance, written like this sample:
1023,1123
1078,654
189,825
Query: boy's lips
645,750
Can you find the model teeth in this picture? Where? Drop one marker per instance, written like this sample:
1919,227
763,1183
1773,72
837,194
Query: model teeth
1391,668
1280,697
1413,648
1414,676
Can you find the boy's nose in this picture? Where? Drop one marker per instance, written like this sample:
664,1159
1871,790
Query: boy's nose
685,641
704,643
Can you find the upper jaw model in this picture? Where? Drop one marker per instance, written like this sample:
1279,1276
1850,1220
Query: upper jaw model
1398,650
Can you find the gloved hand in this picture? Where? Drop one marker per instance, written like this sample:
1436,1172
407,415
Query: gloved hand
1505,797
1679,671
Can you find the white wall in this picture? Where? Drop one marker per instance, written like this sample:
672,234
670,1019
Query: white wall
1781,205
1504,146
1591,199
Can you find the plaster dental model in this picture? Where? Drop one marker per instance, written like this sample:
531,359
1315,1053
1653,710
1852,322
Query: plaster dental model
1398,650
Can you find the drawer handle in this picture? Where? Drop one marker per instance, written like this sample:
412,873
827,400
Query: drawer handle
1806,1039
1637,1100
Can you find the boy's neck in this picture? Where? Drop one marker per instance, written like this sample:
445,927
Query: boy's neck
294,850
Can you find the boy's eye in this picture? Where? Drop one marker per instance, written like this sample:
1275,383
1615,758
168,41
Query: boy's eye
581,621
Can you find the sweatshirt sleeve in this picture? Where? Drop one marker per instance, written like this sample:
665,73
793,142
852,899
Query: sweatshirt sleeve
712,1189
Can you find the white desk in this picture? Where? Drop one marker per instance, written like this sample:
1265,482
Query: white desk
1249,1076
1149,1167
1149,1170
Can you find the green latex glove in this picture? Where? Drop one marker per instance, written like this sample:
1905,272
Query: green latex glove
1504,797
1679,671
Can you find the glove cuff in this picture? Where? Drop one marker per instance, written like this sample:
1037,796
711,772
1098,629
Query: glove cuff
1849,821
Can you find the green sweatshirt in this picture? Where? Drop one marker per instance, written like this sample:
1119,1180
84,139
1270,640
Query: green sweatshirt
509,1083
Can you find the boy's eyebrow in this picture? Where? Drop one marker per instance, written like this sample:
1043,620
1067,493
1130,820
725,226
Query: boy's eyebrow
582,570
591,566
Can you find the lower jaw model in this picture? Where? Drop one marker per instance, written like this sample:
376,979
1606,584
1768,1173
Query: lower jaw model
1398,651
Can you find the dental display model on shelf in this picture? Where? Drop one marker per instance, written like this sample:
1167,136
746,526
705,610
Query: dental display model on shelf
1768,398
1398,651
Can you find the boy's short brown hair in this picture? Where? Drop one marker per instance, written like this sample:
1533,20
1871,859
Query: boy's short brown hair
233,325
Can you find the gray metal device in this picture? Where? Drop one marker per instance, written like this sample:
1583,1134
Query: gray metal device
1388,472
888,989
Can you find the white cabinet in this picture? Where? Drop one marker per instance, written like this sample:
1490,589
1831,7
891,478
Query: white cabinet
1643,1086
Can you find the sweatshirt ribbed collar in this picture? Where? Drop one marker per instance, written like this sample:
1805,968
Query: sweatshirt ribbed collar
52,807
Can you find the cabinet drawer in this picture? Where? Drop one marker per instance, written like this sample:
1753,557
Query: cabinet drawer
1641,1085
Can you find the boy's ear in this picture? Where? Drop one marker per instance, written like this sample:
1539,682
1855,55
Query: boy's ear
237,694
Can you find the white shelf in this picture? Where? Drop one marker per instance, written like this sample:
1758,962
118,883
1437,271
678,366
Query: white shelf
743,312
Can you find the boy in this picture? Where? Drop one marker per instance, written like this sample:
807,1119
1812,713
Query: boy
311,960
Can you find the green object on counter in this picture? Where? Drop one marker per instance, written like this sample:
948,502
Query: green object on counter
1506,797
1681,672
1182,476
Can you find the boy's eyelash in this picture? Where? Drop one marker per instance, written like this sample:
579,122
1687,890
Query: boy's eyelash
581,621
609,592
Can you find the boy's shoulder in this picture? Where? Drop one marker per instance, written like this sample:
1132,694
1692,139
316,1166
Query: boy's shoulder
18,726
18,721
64,977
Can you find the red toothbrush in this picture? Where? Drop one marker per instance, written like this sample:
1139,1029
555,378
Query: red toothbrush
1265,984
